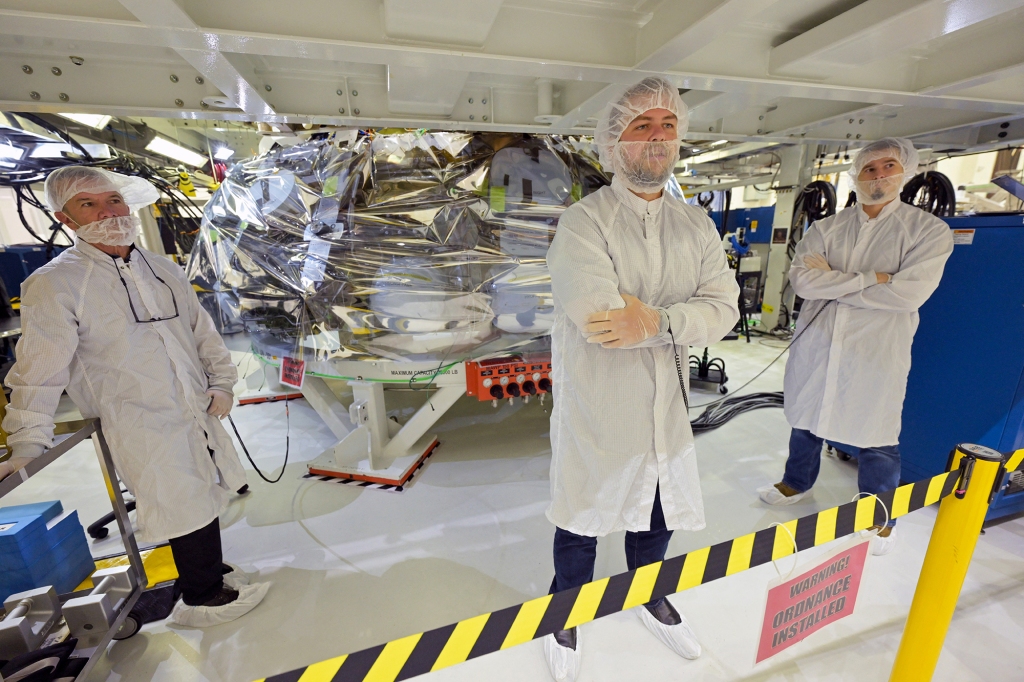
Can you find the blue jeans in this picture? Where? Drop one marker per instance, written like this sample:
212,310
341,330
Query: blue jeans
878,468
575,554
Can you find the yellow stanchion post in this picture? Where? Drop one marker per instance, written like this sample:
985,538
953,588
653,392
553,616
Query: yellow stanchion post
4,455
945,566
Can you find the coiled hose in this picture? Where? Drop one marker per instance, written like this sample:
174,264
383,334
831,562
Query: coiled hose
931,191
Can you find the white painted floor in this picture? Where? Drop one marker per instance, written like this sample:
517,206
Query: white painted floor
354,568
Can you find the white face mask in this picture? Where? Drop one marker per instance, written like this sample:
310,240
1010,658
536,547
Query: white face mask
116,231
646,166
880,190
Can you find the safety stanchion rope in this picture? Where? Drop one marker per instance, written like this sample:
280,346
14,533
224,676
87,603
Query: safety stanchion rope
446,646
1015,461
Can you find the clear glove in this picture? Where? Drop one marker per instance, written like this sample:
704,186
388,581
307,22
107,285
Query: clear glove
221,403
816,261
624,327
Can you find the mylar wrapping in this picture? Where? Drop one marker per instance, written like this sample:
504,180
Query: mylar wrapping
410,246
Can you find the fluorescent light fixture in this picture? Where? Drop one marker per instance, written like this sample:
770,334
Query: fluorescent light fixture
715,144
167,148
224,153
59,150
97,121
9,151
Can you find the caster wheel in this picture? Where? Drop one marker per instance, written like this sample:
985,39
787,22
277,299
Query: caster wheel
723,389
129,627
843,456
100,533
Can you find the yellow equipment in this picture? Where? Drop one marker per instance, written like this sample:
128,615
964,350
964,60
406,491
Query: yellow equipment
185,182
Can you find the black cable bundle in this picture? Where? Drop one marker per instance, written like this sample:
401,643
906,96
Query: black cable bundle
931,191
706,200
182,217
722,411
816,201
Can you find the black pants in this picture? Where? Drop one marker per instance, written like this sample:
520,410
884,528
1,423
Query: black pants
199,560
575,555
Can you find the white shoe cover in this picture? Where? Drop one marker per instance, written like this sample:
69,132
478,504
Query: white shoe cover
880,546
249,597
236,579
679,638
563,662
769,494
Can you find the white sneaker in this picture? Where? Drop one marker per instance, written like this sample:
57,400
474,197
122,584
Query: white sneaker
236,579
679,638
880,546
563,662
249,597
769,494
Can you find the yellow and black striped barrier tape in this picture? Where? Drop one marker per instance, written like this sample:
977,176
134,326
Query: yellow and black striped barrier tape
452,644
1015,461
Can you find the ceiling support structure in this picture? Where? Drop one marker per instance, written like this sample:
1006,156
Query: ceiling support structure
211,63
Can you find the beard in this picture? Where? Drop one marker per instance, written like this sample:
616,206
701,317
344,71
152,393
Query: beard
116,231
879,191
646,166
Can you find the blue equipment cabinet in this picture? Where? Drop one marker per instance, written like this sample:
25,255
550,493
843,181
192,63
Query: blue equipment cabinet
757,221
18,261
965,381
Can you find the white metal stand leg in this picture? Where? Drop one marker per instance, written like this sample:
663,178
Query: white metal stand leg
377,449
322,399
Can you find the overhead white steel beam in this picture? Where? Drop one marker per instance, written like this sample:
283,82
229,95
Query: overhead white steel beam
16,23
878,111
729,152
211,63
424,91
724,104
975,81
591,106
456,22
876,29
679,29
970,62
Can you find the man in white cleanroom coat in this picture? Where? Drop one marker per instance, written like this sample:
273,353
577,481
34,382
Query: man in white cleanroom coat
863,273
122,330
631,269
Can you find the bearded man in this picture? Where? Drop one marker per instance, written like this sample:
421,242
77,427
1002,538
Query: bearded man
637,276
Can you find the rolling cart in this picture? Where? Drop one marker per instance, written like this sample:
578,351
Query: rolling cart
100,613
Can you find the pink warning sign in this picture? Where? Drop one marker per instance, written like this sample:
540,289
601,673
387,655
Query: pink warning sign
292,372
812,601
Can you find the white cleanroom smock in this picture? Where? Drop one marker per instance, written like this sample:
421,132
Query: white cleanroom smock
847,373
619,426
146,382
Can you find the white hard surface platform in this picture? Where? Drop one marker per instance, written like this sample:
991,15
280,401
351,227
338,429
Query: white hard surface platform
353,568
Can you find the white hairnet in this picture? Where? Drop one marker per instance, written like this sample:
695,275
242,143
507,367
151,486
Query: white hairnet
899,148
650,93
64,183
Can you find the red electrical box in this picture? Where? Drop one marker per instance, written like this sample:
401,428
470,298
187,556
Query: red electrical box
511,377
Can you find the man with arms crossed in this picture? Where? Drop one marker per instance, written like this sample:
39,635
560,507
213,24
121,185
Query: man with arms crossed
637,276
863,273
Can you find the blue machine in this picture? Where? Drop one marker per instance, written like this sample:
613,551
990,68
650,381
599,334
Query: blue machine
18,261
757,221
967,375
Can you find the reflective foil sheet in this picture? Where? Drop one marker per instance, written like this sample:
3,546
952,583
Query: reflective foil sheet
413,246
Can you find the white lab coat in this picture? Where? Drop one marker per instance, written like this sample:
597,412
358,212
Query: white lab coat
146,382
847,373
619,427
